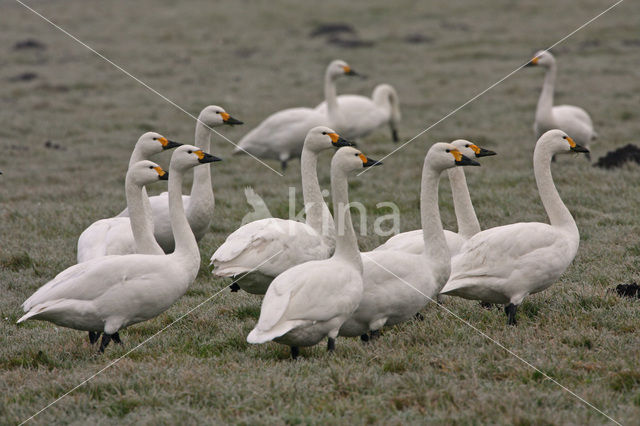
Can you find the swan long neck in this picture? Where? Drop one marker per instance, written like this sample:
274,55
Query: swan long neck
141,219
545,102
468,224
559,215
201,187
316,212
436,248
330,95
346,241
186,245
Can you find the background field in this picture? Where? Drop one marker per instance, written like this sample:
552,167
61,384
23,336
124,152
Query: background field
254,59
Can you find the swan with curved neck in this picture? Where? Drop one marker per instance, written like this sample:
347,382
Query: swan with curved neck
107,294
397,284
507,263
573,120
468,224
311,301
261,250
115,235
281,135
200,203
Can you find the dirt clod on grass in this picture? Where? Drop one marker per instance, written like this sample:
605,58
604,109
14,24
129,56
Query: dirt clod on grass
619,157
29,43
628,290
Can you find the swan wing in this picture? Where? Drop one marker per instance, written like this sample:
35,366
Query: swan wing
106,237
412,242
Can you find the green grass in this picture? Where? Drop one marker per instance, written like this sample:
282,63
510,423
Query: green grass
254,59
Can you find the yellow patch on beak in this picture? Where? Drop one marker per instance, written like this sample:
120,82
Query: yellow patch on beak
572,144
160,171
334,137
363,158
534,61
475,148
347,69
456,154
163,141
225,116
199,153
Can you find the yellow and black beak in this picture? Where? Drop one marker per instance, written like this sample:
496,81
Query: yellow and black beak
533,62
167,144
368,162
203,157
338,142
227,119
461,160
481,152
349,71
575,147
162,175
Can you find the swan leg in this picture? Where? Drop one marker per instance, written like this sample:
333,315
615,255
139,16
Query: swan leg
116,338
331,344
394,135
106,338
283,164
375,334
94,336
234,287
295,351
418,316
364,337
510,310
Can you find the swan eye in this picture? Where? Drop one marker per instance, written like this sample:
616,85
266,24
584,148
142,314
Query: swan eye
564,137
151,167
467,146
217,112
155,139
448,150
190,152
324,133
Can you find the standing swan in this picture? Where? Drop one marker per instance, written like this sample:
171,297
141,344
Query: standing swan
263,249
468,224
199,205
113,235
109,293
507,263
281,135
573,120
308,302
398,284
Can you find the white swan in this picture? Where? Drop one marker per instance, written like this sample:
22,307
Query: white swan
398,284
281,135
109,293
200,203
261,250
507,263
308,302
114,235
468,224
355,116
573,120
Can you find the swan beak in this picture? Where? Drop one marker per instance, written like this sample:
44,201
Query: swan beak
532,63
481,152
338,142
162,175
461,160
203,157
227,119
167,144
578,148
368,162
349,71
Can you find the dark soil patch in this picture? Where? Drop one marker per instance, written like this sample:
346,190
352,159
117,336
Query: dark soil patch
342,35
53,145
417,38
29,43
25,76
332,29
619,157
629,290
350,43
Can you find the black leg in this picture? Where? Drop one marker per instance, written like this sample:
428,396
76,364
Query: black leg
106,338
331,344
374,334
116,338
419,316
553,159
284,165
486,305
394,136
510,310
588,156
94,336
234,287
295,351
364,337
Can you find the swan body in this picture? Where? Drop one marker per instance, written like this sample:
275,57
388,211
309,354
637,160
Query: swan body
261,250
398,284
109,293
507,263
200,203
573,120
114,235
356,116
310,301
468,224
281,135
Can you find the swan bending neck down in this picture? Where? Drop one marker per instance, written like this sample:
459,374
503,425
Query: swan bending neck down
261,250
117,235
311,301
573,120
199,205
107,294
398,284
507,263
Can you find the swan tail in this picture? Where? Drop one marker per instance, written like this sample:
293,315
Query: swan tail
27,316
385,94
258,336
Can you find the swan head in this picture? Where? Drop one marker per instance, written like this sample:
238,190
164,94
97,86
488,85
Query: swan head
146,172
349,159
339,67
152,143
542,58
188,156
320,138
557,142
214,116
442,156
471,150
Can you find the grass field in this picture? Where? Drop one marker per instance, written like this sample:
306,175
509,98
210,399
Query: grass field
254,59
